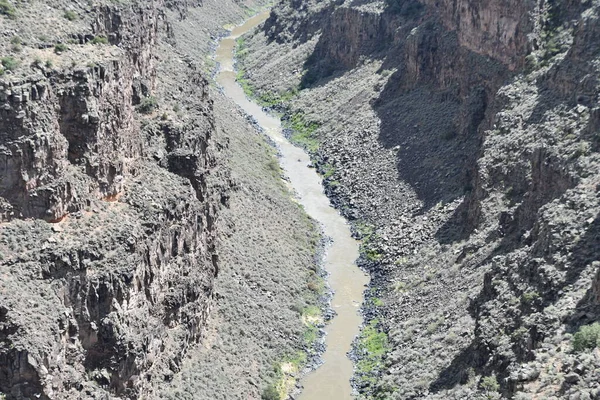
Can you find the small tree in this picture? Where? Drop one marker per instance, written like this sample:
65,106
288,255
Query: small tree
588,337
490,384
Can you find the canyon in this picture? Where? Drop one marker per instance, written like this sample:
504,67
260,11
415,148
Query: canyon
156,239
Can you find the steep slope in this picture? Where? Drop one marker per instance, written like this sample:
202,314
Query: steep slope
462,139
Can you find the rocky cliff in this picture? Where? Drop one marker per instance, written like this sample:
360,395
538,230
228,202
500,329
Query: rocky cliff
461,137
109,296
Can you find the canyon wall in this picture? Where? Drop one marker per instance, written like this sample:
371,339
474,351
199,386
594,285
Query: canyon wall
109,296
461,137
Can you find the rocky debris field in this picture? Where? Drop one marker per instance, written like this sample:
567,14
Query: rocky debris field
469,168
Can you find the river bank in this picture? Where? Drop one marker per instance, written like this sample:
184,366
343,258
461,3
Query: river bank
345,279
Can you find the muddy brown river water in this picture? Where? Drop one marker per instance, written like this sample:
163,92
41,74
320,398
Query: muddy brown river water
331,381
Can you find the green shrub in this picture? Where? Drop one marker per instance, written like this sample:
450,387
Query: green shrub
10,63
60,47
588,337
274,167
303,132
270,393
530,297
49,64
7,9
70,15
371,348
100,39
490,384
16,44
148,105
328,171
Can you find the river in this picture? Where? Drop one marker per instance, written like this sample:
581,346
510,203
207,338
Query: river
331,381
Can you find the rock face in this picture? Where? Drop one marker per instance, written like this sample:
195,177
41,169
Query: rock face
107,298
80,120
464,134
497,29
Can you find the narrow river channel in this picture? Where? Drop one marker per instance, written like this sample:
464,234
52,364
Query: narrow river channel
331,381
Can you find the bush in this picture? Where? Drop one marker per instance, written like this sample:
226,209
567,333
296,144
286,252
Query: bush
70,15
100,39
588,337
148,105
490,384
9,63
530,297
60,47
270,393
7,9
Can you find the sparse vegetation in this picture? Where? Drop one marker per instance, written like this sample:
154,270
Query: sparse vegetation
265,99
16,43
285,377
369,238
328,171
270,393
273,166
530,297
